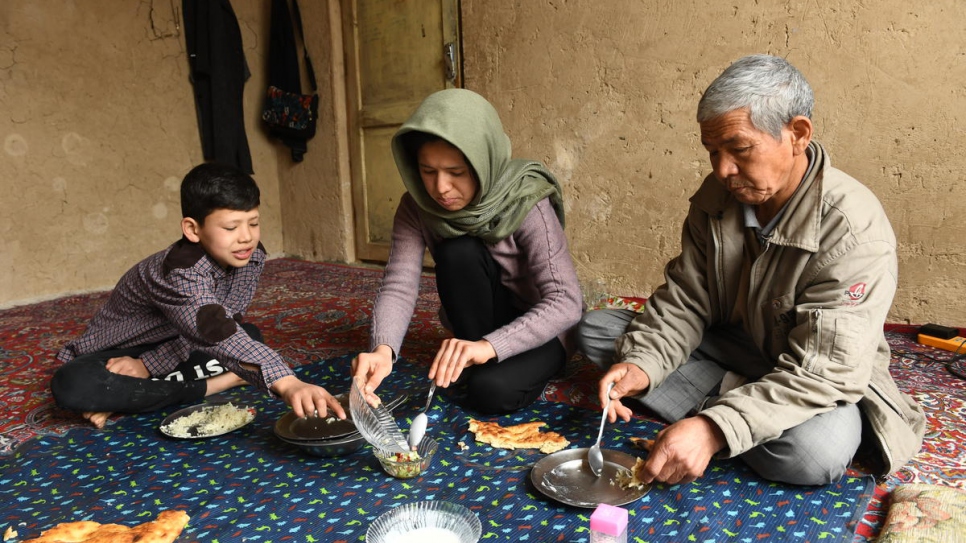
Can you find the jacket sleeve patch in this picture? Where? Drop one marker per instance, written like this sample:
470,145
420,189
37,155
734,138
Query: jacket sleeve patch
183,255
214,325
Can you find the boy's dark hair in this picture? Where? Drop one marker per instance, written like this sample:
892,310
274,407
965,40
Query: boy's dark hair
211,186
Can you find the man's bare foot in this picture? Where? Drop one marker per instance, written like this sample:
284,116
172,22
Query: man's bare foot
223,382
97,419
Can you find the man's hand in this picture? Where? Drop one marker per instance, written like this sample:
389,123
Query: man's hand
682,451
125,365
306,399
457,354
373,367
629,380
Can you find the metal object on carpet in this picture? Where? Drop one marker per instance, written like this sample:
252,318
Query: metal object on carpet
563,476
595,458
418,427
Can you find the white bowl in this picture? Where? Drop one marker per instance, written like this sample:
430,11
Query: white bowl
436,521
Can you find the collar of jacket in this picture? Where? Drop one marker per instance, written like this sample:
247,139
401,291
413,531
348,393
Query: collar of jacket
801,225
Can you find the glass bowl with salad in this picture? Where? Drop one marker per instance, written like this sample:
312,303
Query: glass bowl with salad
406,465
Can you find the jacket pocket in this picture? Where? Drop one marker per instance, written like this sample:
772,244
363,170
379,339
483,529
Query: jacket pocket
832,336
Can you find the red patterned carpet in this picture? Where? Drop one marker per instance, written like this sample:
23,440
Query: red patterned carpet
312,312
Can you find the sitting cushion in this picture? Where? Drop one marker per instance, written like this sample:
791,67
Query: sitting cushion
925,513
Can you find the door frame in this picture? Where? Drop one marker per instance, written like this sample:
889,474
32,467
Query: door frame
366,250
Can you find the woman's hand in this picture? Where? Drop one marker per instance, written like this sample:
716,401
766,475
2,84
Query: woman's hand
629,380
373,367
125,365
455,355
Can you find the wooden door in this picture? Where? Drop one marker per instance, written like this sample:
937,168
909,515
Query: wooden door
398,52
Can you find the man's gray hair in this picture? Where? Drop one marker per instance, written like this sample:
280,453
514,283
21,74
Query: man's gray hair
773,90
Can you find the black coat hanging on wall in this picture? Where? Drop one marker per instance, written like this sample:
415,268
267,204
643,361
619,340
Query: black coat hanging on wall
218,74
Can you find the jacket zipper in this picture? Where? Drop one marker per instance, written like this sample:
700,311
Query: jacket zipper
719,264
878,435
815,341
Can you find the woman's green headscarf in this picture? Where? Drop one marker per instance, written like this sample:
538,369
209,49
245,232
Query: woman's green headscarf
508,188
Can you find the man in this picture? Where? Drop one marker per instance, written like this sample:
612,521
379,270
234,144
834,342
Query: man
766,341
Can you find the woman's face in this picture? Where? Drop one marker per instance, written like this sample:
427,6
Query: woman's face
447,177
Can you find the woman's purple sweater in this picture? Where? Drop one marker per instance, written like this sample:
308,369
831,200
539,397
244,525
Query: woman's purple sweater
536,266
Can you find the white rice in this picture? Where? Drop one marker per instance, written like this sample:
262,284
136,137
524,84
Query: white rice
209,421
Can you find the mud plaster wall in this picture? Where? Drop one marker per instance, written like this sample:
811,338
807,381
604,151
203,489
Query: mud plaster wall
605,94
98,127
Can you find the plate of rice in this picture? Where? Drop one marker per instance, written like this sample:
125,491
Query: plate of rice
206,420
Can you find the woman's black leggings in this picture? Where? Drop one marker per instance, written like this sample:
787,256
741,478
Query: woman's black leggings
85,384
476,303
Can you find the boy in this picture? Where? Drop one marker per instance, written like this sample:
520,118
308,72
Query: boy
171,331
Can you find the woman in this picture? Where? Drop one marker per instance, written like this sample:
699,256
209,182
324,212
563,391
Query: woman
494,227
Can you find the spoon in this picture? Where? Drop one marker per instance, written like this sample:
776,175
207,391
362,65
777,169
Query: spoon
594,456
418,428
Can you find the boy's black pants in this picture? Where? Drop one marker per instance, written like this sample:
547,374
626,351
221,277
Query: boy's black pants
86,385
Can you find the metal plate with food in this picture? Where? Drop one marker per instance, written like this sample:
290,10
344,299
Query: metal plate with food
206,420
294,428
565,476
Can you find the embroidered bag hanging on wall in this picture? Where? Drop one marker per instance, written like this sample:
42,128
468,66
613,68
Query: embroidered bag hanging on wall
289,115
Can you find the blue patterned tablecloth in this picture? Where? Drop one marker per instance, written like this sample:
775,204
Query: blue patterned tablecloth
249,486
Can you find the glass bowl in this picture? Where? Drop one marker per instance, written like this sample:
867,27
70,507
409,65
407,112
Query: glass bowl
401,466
436,521
376,424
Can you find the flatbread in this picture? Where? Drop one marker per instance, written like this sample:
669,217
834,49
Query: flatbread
520,436
165,529
631,478
642,443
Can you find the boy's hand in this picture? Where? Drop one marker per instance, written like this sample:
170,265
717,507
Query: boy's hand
306,399
125,365
373,367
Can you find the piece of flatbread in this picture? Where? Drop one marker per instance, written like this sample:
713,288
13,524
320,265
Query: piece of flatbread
165,529
642,443
520,436
631,478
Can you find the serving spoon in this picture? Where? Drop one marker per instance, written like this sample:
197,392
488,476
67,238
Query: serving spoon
595,458
418,428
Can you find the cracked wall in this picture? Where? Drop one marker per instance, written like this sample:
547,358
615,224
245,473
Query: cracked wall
605,94
97,127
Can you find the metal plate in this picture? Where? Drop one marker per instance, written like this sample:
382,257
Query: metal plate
329,447
293,429
193,431
565,476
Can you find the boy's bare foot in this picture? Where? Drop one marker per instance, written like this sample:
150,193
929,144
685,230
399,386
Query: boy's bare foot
223,382
97,419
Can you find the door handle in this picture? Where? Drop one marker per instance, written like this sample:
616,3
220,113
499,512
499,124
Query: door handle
449,56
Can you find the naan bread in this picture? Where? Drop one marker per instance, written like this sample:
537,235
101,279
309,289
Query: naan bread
631,478
520,436
642,443
165,529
